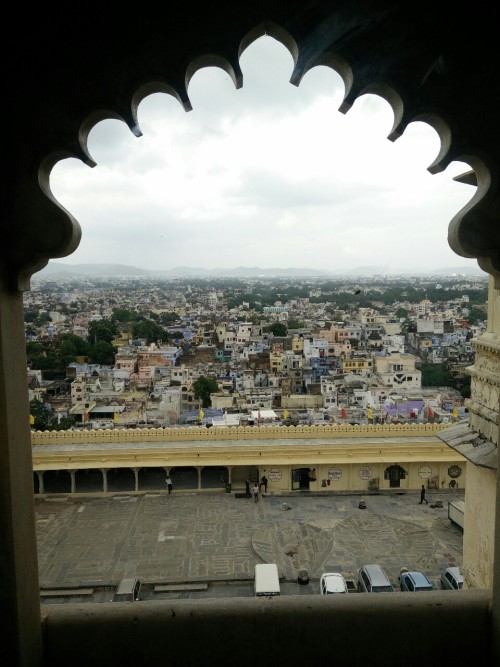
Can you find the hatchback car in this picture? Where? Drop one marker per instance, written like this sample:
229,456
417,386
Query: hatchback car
332,583
452,579
414,581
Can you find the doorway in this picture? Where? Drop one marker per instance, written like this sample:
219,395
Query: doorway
395,474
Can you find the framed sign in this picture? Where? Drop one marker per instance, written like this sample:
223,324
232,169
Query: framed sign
274,474
454,471
424,472
335,473
365,472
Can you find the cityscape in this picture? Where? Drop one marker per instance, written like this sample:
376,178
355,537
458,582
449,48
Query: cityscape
127,351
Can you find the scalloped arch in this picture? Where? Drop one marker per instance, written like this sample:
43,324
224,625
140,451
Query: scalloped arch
413,80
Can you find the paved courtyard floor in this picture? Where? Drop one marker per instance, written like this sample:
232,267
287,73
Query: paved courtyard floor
216,538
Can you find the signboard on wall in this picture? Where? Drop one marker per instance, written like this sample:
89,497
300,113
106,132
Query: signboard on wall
335,473
274,474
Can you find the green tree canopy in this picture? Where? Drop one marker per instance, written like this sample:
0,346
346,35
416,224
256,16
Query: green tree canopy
277,329
149,330
102,330
44,419
203,387
123,315
71,346
102,353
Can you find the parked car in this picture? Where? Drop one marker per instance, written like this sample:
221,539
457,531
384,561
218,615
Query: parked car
414,581
129,590
452,579
373,579
332,583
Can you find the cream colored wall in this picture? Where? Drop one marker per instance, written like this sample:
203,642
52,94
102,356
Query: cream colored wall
333,477
279,477
479,525
355,477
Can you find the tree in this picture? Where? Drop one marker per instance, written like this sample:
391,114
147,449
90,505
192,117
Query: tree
72,346
434,375
169,317
102,353
295,324
401,313
476,315
44,419
149,330
102,330
123,315
277,329
203,387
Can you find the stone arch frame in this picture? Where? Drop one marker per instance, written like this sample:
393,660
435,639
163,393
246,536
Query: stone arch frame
440,58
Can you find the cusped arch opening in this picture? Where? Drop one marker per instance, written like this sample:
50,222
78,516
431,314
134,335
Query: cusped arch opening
318,196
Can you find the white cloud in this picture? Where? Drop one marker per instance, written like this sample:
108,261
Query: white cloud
271,175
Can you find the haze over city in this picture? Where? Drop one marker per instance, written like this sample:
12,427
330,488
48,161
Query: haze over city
271,176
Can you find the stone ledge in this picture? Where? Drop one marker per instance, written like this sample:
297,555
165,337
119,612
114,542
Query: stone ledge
169,588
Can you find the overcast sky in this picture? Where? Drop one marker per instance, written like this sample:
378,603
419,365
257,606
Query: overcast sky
271,175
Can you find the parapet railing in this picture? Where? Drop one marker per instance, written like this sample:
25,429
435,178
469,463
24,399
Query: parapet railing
263,432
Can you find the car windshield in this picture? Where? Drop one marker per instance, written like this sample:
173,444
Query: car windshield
382,589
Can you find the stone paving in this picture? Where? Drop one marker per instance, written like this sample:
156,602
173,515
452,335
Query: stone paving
217,538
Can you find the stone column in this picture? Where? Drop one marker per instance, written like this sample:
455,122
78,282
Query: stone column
199,469
39,474
21,619
136,475
72,474
104,473
229,471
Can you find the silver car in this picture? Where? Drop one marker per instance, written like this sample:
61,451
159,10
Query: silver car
373,579
452,579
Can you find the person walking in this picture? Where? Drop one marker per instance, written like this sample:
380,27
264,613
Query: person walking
263,482
423,499
169,485
256,492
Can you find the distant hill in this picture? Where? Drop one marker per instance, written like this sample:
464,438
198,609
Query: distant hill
54,269
59,270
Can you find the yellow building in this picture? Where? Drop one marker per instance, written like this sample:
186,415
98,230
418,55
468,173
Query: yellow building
329,458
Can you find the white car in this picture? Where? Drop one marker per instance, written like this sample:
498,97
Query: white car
332,583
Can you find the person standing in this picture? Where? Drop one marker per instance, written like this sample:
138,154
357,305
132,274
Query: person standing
423,499
263,482
256,492
247,487
169,485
